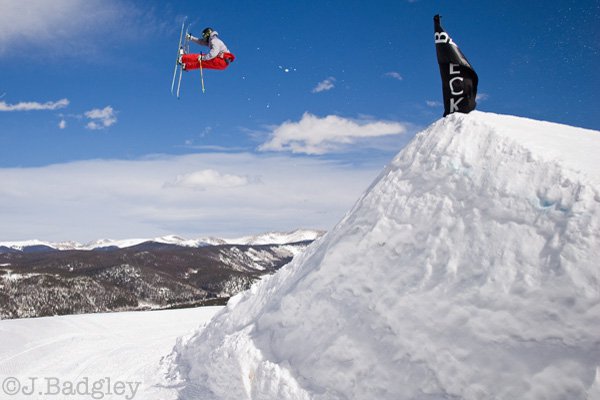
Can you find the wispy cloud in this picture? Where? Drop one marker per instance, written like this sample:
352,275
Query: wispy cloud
34,105
482,96
66,27
325,85
101,118
189,144
62,124
209,178
95,199
394,75
314,135
433,103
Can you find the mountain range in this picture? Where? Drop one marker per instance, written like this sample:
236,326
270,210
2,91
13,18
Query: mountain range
43,278
299,235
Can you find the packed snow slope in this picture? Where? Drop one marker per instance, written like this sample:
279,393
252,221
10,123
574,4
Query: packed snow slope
52,352
470,269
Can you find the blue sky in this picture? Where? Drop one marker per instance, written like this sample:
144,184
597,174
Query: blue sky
334,87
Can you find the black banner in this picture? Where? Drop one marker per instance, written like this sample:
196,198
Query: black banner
459,80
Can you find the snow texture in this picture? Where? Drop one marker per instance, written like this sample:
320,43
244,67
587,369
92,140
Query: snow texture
125,347
468,270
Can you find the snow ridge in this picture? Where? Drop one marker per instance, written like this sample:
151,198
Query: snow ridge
468,270
269,238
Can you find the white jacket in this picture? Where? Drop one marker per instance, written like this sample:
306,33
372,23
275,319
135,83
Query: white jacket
216,45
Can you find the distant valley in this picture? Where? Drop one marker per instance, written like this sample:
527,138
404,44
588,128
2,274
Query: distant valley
41,279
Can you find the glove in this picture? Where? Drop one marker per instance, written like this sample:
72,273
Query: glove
188,36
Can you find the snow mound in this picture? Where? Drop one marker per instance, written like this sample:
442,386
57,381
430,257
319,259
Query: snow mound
468,270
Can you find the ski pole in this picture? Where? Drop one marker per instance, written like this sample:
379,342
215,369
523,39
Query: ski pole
201,73
178,55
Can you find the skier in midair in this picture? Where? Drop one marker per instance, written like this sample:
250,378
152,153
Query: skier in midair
218,57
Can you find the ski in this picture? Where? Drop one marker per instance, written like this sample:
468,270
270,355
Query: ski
183,50
179,54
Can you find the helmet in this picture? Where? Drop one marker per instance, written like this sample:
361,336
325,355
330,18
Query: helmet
206,33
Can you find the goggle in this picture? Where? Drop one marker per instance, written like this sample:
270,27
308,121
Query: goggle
206,35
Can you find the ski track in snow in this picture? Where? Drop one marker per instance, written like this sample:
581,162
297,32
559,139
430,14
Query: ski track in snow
126,346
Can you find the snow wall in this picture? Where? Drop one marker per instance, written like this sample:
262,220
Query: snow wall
470,269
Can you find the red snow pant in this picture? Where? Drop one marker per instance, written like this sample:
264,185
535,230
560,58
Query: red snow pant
190,61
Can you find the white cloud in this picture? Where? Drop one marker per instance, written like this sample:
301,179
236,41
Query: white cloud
62,124
314,135
482,96
34,105
394,75
119,199
325,85
101,118
433,103
64,27
209,178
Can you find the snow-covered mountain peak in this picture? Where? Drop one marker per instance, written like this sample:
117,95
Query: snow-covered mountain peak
299,235
281,238
469,269
20,245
